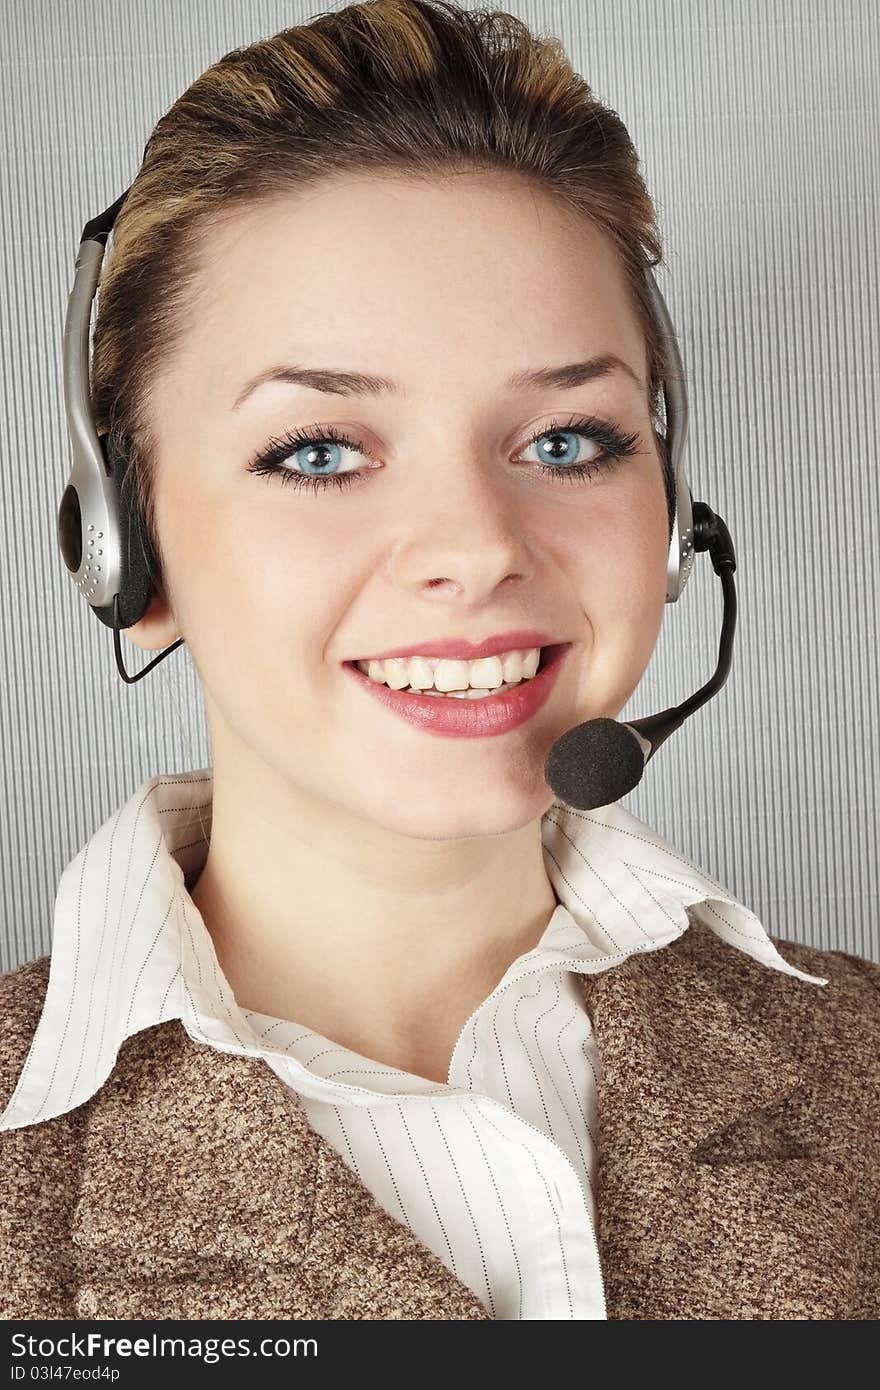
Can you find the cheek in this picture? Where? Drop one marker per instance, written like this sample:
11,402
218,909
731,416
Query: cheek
640,573
248,559
617,567
618,555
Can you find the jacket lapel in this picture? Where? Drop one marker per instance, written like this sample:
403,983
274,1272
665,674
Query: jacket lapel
723,1181
205,1193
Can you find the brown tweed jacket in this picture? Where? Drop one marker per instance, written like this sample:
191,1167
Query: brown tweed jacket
738,1164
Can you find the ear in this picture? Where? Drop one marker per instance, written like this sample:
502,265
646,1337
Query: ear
157,628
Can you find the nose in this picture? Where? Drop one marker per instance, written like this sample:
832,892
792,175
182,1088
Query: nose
465,535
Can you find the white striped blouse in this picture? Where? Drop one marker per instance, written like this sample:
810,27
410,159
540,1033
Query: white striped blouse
493,1170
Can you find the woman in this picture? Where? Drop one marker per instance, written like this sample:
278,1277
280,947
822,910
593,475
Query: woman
360,1022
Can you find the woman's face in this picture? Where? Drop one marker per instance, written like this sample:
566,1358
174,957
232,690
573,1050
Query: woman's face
451,531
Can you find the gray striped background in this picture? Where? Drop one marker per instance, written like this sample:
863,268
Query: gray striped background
758,125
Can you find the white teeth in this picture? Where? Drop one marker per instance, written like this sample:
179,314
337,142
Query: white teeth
432,675
420,674
464,694
517,666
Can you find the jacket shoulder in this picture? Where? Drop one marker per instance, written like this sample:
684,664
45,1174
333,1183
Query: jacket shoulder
842,1016
39,1170
22,995
833,1025
847,974
858,974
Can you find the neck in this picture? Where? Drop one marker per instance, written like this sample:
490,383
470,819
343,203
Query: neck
383,946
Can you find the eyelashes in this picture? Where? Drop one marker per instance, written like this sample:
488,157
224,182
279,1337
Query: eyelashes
268,462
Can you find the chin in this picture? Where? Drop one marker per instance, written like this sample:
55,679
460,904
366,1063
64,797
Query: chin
426,816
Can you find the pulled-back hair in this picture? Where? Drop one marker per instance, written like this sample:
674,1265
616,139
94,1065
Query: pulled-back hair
414,87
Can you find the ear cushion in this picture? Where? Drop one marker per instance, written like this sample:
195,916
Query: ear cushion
137,559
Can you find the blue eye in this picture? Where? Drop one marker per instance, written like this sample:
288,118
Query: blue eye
321,448
314,444
556,445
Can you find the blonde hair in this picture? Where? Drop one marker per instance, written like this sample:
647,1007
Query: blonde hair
418,87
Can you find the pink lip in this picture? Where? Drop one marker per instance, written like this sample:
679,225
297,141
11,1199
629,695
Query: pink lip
516,640
494,714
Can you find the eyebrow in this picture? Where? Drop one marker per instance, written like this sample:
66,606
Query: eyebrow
342,383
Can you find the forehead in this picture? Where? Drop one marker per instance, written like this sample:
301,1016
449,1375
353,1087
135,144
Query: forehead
459,276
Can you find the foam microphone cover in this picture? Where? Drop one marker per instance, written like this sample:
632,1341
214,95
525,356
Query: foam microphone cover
594,764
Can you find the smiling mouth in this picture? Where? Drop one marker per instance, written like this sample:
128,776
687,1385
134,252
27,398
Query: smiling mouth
470,713
547,655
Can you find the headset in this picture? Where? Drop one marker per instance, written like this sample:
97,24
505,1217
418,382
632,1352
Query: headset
107,550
